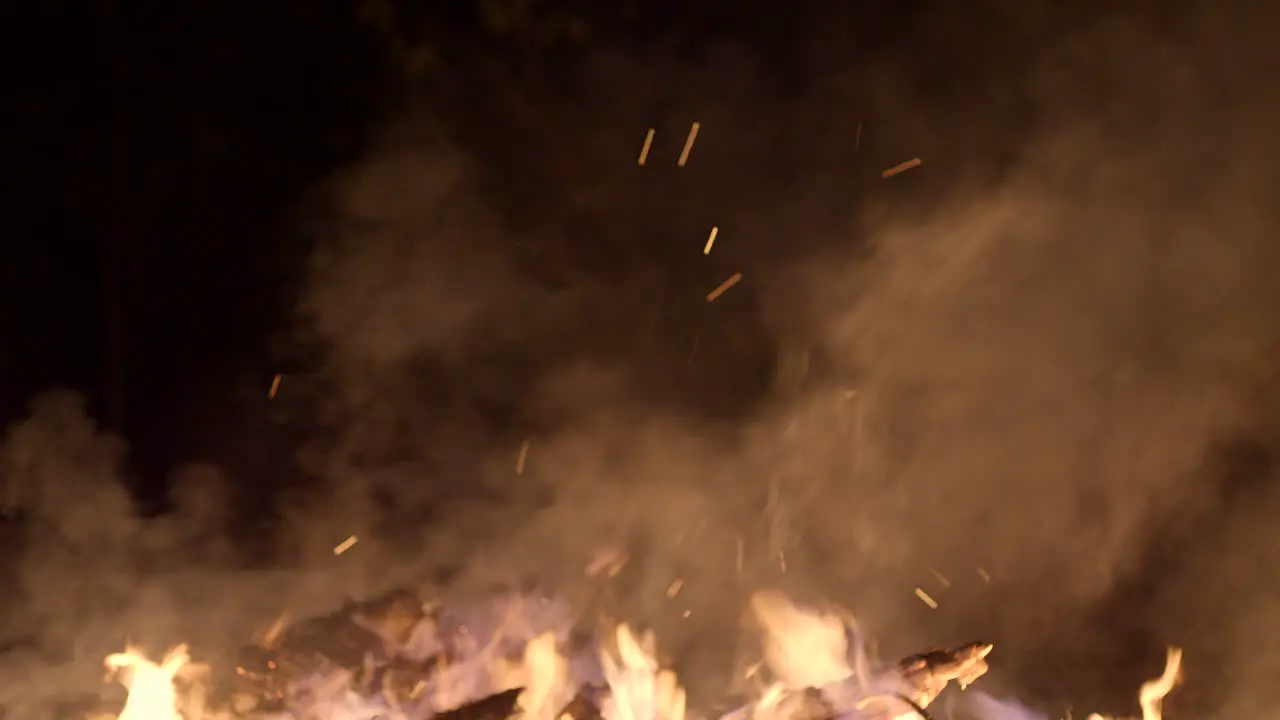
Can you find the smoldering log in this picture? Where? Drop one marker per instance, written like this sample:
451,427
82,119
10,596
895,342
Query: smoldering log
346,639
581,708
503,706
355,639
494,707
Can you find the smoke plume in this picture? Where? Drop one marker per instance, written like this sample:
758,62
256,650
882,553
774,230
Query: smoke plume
1033,377
1027,372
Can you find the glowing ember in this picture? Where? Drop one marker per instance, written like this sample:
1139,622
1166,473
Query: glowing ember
608,561
926,599
734,279
688,144
900,168
345,545
644,151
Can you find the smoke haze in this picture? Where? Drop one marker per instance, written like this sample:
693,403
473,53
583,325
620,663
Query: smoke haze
1052,363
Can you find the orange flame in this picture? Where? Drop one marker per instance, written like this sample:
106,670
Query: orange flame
152,695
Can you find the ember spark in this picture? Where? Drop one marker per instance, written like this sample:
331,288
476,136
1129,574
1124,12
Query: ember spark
345,545
524,455
924,598
900,168
644,151
720,289
688,144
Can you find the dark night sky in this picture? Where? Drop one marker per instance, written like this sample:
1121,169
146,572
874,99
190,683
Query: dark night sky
177,137
182,138
180,141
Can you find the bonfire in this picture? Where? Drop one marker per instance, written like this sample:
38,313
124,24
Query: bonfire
513,659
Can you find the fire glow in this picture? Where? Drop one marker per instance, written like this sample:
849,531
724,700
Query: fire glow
814,659
152,693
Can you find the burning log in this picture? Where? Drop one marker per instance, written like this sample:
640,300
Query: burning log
902,691
928,674
914,682
494,707
513,656
504,705
353,640
398,650
581,708
811,650
355,664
